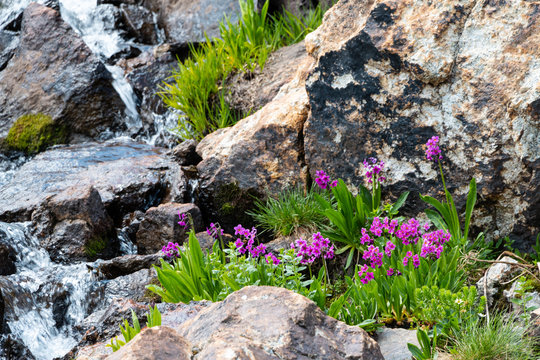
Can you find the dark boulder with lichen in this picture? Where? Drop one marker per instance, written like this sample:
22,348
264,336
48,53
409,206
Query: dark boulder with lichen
390,75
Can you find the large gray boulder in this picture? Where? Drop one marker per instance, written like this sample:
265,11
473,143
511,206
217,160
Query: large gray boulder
390,75
127,175
52,71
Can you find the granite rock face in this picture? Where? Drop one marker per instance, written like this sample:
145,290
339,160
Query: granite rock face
392,74
263,152
52,71
289,327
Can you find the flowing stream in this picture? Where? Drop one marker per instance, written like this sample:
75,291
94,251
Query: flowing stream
44,300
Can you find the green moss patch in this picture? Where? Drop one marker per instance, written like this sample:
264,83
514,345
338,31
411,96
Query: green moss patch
33,133
95,246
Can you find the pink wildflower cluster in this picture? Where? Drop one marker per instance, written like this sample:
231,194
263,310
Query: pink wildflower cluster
323,180
374,169
433,152
171,250
365,275
319,248
214,231
409,232
433,243
246,241
272,259
374,256
183,220
378,226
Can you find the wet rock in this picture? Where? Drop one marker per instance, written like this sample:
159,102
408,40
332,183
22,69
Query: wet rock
8,257
160,226
390,75
140,23
104,323
12,347
8,44
187,21
55,73
130,224
290,327
393,343
535,323
127,52
262,151
156,343
250,92
73,225
128,176
132,286
125,265
494,278
185,153
146,74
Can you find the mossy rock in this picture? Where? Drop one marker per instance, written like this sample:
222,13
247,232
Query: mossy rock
231,205
33,133
95,247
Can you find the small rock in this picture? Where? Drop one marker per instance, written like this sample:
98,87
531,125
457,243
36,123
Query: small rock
511,294
393,343
8,257
73,225
185,153
125,265
160,226
156,343
207,241
132,286
140,23
496,274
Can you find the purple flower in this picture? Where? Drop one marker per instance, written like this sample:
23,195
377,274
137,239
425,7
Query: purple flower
320,247
376,227
389,247
433,243
433,152
183,220
272,259
389,272
322,179
171,250
369,276
214,231
416,261
373,170
334,183
408,232
365,239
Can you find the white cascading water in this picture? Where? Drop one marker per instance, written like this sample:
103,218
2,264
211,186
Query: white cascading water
31,292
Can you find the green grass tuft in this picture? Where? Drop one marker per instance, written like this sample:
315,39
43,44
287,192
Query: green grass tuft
289,213
198,88
503,338
33,133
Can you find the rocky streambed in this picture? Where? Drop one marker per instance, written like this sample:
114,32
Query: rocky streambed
82,222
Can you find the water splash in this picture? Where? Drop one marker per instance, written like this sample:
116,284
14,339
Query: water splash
43,300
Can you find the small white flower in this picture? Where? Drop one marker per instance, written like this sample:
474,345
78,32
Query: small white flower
459,301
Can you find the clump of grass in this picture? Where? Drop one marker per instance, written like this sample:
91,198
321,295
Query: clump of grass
289,212
502,338
198,88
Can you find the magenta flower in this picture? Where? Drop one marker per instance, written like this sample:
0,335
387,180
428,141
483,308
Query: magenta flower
183,220
389,272
272,259
433,152
389,247
369,276
334,183
365,239
322,179
373,170
214,231
416,261
171,250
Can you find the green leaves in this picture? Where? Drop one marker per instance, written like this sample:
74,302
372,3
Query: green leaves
153,319
427,351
